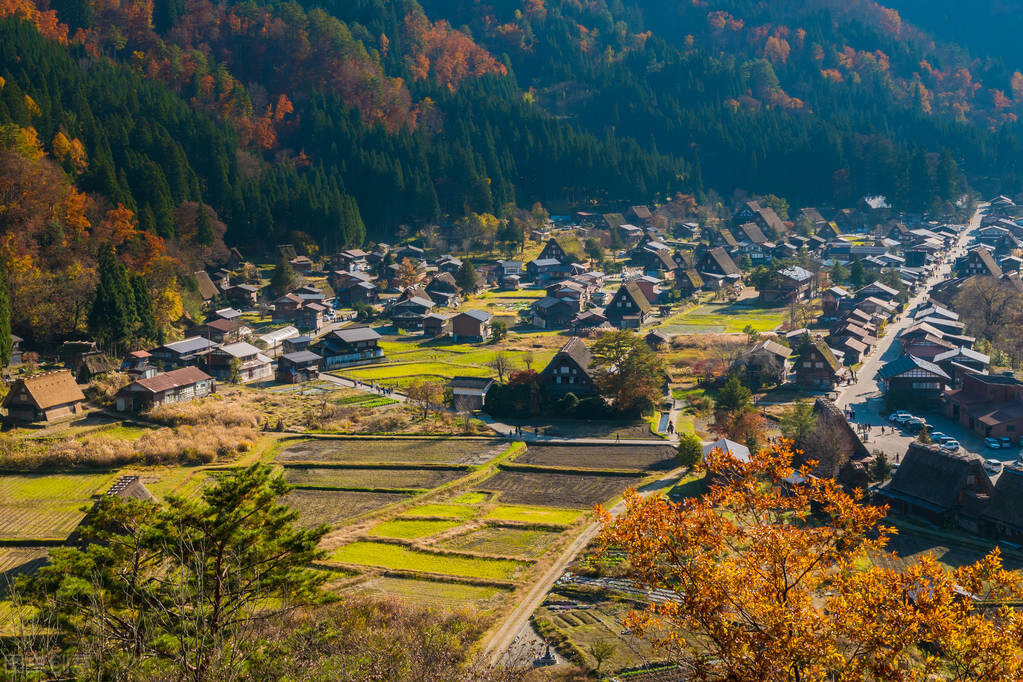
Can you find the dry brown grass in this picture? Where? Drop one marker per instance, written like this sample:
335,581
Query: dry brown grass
102,389
209,412
179,445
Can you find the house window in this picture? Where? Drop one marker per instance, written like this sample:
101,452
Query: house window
1010,427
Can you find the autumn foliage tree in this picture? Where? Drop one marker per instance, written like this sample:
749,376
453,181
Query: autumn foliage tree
626,370
774,582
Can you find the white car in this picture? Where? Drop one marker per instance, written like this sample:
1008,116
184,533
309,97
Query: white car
899,417
939,437
951,445
992,443
993,466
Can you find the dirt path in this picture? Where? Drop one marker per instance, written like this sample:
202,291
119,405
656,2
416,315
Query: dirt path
502,637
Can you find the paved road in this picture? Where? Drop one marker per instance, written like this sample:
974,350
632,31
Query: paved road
349,383
865,395
513,626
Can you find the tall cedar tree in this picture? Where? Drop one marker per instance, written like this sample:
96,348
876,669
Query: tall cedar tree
467,278
148,328
6,344
172,584
113,316
283,278
777,583
626,371
204,233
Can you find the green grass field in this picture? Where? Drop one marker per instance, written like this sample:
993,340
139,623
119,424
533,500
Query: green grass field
441,510
383,555
729,318
46,507
471,498
547,515
411,529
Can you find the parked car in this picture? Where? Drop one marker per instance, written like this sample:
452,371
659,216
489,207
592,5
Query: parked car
992,443
951,445
914,423
1005,441
899,417
939,437
993,466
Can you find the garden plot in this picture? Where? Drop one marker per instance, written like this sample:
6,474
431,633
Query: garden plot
578,428
638,457
520,543
46,506
556,489
435,592
411,529
372,478
730,318
391,556
394,450
335,507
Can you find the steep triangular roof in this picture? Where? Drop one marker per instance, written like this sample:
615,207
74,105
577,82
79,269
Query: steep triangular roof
48,389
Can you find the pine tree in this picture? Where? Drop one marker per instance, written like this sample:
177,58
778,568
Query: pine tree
113,317
148,329
5,321
204,233
467,277
284,278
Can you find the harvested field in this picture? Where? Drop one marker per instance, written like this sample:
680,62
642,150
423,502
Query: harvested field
578,428
334,507
560,490
13,560
385,555
523,543
395,450
46,507
434,592
544,515
638,457
411,529
371,478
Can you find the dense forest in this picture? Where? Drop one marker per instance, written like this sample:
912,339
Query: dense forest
172,129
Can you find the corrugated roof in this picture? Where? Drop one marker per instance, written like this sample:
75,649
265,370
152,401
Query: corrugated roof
354,334
168,380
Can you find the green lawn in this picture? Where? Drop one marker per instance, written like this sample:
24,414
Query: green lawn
409,529
471,498
512,512
446,511
383,555
729,318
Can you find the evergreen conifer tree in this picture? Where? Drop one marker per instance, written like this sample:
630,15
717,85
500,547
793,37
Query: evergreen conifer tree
204,233
467,277
113,317
284,278
148,328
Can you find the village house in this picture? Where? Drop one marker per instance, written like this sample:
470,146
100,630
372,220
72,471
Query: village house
93,365
589,319
449,264
629,308
990,405
946,488
817,366
187,383
1002,519
245,295
298,367
688,282
765,364
357,291
831,300
435,324
469,393
569,370
962,359
410,313
546,270
717,262
552,313
657,340
444,291
555,250
763,216
190,351
979,261
208,291
789,284
349,347
294,344
913,378
639,215
43,397
138,365
350,260
243,358
303,265
217,330
471,326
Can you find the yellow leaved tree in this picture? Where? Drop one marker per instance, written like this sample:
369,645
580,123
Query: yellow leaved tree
776,580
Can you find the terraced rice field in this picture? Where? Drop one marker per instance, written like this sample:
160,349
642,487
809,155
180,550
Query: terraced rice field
386,555
724,319
394,451
411,529
637,457
46,507
442,510
371,478
556,489
335,507
527,514
522,543
13,559
434,592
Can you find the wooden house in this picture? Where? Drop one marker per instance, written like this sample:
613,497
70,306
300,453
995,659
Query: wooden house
569,370
187,352
298,367
349,347
469,393
552,313
246,359
990,405
472,326
717,262
43,397
629,308
817,366
187,383
910,377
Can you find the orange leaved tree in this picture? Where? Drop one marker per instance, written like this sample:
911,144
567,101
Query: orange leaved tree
781,581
